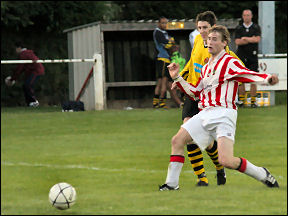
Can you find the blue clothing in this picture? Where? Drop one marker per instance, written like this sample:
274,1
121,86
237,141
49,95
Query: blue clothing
161,38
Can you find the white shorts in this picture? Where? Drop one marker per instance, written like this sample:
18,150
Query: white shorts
210,124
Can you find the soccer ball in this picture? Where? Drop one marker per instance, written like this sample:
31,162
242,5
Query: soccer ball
9,82
62,196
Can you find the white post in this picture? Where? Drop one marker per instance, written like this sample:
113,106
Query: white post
99,81
266,20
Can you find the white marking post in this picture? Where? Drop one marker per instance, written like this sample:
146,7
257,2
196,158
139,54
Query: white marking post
99,82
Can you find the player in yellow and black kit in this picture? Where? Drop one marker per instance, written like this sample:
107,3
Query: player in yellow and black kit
163,42
191,73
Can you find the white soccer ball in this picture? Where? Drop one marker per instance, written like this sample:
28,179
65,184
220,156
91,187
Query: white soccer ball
8,81
62,196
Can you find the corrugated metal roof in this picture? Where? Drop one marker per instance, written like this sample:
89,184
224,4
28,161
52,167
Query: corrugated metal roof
118,22
141,21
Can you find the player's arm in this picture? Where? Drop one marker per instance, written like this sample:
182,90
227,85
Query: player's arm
238,40
184,74
159,36
253,39
246,40
239,73
191,91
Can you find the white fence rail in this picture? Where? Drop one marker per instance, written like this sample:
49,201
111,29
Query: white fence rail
46,61
93,60
272,55
268,63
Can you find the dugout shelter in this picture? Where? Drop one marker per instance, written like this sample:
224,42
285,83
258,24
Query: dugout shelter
128,55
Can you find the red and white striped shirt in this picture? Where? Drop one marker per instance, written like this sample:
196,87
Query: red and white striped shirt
218,83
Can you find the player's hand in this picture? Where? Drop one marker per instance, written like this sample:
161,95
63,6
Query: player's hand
245,38
173,70
174,86
273,79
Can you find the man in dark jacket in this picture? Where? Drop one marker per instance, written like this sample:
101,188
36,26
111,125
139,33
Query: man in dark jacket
32,72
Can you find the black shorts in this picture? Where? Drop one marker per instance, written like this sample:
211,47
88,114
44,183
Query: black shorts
162,70
190,108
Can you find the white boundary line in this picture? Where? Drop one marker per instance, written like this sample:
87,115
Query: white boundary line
54,166
6,163
46,61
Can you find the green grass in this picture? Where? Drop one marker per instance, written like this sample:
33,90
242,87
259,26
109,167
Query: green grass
116,159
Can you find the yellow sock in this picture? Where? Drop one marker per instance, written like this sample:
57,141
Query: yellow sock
196,159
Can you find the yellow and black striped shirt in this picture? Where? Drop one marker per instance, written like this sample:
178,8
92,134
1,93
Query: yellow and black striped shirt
199,57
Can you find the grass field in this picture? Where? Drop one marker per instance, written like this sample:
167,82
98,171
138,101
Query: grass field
116,159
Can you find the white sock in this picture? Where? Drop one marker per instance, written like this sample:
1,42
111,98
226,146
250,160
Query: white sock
254,171
174,170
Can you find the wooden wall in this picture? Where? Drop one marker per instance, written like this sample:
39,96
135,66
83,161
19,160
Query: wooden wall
130,56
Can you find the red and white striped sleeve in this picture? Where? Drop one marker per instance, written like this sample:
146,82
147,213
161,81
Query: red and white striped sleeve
192,91
239,73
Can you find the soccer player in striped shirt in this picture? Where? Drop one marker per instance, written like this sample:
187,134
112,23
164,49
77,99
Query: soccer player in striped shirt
217,90
191,73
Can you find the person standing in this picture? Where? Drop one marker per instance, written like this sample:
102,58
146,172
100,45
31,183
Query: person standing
247,37
163,43
216,90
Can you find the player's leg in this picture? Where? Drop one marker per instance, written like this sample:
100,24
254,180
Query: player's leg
241,95
196,159
165,79
227,159
156,97
253,65
213,154
28,88
253,93
195,155
163,98
157,90
176,160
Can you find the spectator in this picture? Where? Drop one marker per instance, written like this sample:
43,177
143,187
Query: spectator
247,37
32,72
163,43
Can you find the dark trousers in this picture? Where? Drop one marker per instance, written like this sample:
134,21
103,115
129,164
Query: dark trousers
28,88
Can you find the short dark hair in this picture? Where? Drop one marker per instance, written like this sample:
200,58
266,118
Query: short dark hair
18,44
160,18
207,16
